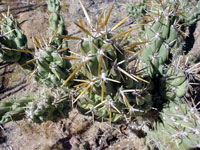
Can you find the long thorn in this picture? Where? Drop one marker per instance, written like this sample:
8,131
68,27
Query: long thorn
28,62
139,78
86,14
37,42
71,58
99,21
29,78
102,90
126,73
69,37
63,49
119,24
20,50
83,92
73,73
110,115
83,29
108,16
125,32
100,64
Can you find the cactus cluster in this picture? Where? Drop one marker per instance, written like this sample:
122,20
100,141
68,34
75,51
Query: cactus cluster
179,129
51,67
136,11
105,84
107,88
161,59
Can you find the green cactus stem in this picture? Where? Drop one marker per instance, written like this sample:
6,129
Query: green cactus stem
56,24
174,83
14,109
137,11
165,31
47,105
51,67
179,129
13,43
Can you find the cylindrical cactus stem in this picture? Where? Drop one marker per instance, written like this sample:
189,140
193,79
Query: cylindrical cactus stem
166,28
102,63
174,84
137,11
53,5
36,108
13,43
51,68
164,39
14,109
179,129
47,107
56,24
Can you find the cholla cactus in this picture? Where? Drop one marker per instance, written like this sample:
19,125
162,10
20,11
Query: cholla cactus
105,85
11,38
51,69
136,11
13,42
56,23
108,87
180,128
163,36
166,22
14,109
164,47
47,107
190,11
174,84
